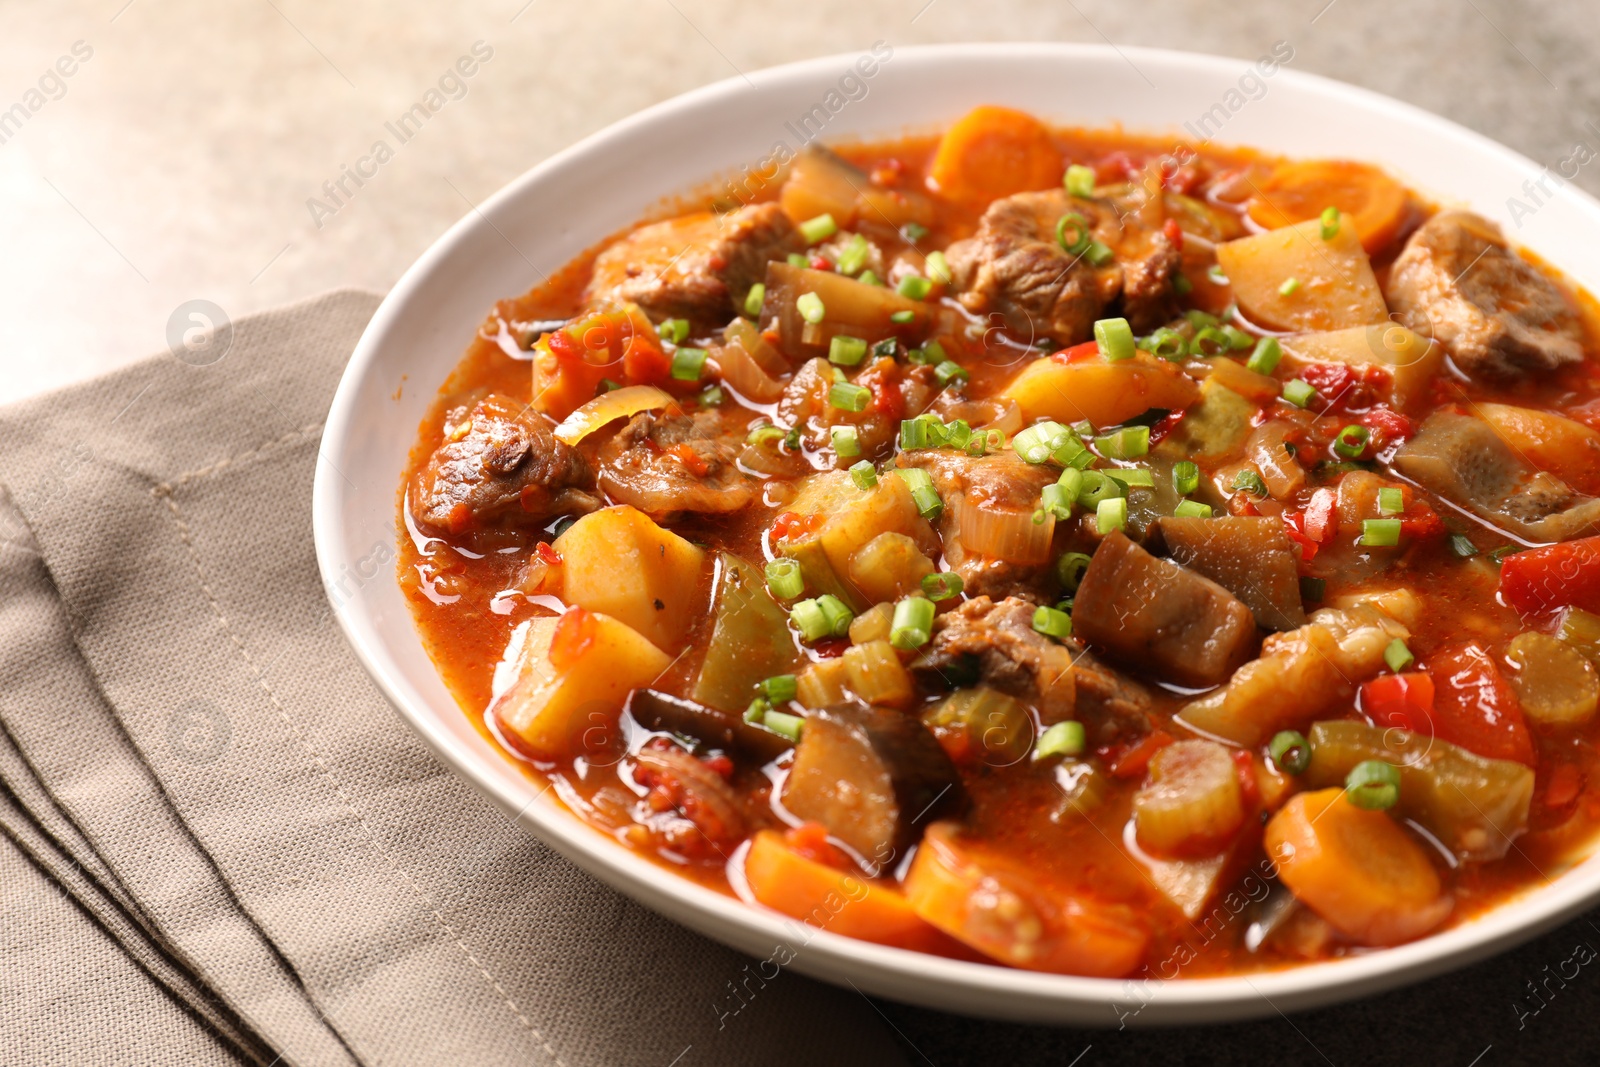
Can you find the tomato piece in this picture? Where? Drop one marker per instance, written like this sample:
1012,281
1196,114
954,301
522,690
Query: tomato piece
1322,516
1078,353
1556,576
1174,233
692,461
1294,524
574,633
1132,760
548,553
1475,707
1331,381
1387,427
1400,701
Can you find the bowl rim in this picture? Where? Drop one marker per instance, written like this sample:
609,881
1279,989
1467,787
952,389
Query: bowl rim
897,973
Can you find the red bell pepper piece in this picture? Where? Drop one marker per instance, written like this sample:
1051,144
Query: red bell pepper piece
1400,701
1556,576
1474,706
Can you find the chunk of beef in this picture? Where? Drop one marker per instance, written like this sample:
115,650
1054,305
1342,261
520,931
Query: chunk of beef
697,266
1497,315
664,464
909,387
1156,614
1249,556
1012,656
499,466
1015,266
1465,461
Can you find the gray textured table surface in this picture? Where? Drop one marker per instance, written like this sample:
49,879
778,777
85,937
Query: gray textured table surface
176,162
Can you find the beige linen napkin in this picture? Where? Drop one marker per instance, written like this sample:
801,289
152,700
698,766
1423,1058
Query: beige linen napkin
176,684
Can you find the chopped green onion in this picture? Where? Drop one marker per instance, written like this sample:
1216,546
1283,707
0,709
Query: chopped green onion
1192,509
923,494
1069,570
1167,343
1052,622
1215,276
1291,752
1264,358
1249,481
1096,487
674,330
864,474
846,351
1079,181
1391,501
915,433
1114,338
1330,223
1298,392
912,623
885,348
1099,253
1313,589
932,353
687,363
1380,532
1289,286
1182,285
1070,451
818,229
791,440
1185,477
854,256
1063,739
938,268
1035,443
846,441
810,307
838,615
1209,341
764,434
1131,476
1057,500
1398,656
900,318
869,278
1201,319
914,286
847,396
913,232
1071,480
1373,785
711,396
1351,441
756,713
949,371
1081,237
784,579
943,585
1462,546
797,260
1498,555
779,689
1111,515
1237,338
1130,442
958,434
783,724
1083,428
608,385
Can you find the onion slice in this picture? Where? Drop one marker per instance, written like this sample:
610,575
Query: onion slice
607,407
1003,533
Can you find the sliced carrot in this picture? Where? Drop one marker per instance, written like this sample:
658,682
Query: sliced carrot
1355,868
830,898
998,908
993,152
1295,192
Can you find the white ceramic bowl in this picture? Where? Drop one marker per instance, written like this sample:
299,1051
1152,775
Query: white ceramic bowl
564,205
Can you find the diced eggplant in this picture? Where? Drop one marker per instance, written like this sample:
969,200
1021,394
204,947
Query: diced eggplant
873,778
849,307
655,710
1153,613
750,638
1214,429
1250,556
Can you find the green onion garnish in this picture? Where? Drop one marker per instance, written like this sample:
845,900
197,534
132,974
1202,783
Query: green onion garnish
1215,276
779,689
674,330
942,586
915,433
885,349
1063,739
854,256
1391,501
784,579
846,441
711,397
1114,338
1167,343
818,229
1249,481
900,318
1351,441
810,307
1185,477
950,371
912,623
869,278
797,260
847,396
1071,480
1081,237
1035,443
1201,319
1052,622
784,724
687,363
1330,223
1069,570
1462,546
958,434
1373,785
1298,392
1264,358
1079,181
913,232
938,268
914,286
1289,286
1130,442
1056,500
923,494
764,434
838,615
846,351
1131,476
1096,487
1111,515
1237,338
756,713
1398,656
1099,253
1182,285
1291,752
864,474
1209,341
1381,533
608,385
1192,509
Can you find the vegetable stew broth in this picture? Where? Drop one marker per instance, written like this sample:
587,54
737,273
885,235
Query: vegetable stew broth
1059,549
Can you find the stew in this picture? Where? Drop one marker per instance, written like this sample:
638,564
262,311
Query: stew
1056,548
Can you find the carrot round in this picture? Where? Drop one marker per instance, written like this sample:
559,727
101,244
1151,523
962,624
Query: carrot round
1356,869
1003,912
832,899
1374,202
993,152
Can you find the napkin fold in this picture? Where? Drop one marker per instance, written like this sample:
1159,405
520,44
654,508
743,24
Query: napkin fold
220,843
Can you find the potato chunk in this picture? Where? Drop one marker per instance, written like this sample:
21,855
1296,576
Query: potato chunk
1105,393
1330,282
1411,360
619,562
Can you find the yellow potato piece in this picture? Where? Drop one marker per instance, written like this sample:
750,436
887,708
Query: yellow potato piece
1331,283
618,561
1106,393
1411,359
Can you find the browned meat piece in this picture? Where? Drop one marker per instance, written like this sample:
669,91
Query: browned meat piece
1497,315
805,402
1154,613
694,810
996,484
1465,461
499,466
665,464
695,267
1250,557
1111,705
1015,266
